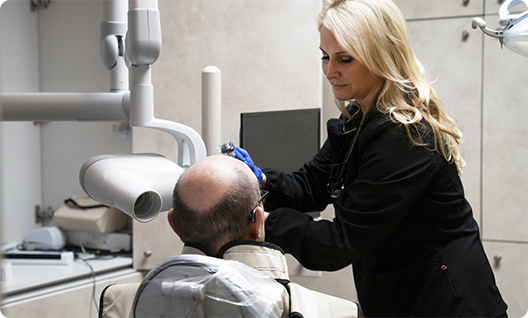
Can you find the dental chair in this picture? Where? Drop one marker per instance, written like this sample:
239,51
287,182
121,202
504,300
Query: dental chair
201,286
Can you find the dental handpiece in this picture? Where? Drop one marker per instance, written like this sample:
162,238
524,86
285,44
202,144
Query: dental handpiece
228,148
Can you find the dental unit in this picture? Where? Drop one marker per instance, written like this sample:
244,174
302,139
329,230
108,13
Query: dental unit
130,42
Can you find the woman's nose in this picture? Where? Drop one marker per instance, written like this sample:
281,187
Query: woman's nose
331,70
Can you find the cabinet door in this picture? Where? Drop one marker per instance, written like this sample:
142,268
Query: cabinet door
77,298
154,242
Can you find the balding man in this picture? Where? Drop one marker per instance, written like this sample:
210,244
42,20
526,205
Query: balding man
218,211
218,200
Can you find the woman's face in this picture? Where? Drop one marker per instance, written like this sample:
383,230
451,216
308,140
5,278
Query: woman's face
349,78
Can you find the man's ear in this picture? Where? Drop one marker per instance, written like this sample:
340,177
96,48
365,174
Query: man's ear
170,217
257,227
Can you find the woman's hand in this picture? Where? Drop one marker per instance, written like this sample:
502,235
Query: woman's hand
242,155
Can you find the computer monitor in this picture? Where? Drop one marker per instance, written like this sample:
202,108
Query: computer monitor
283,139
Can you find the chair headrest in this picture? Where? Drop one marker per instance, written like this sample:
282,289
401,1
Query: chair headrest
203,286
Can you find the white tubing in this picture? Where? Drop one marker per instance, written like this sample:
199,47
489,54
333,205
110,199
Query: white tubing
191,147
112,42
115,10
142,4
211,108
64,106
119,76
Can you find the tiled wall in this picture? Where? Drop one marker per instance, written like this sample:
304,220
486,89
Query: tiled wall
267,52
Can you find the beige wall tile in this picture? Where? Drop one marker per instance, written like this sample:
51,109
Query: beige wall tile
509,261
267,52
505,140
427,9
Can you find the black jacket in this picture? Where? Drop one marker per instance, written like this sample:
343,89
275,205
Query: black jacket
402,220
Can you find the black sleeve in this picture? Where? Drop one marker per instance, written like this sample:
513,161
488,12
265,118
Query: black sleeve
391,177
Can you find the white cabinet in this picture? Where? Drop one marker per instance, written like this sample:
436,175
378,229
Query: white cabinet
154,242
62,291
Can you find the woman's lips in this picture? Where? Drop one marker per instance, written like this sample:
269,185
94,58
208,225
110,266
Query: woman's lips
338,87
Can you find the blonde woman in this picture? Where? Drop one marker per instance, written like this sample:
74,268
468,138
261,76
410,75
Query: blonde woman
391,169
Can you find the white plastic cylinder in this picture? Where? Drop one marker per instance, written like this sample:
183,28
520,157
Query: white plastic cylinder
140,185
141,96
119,76
143,42
136,199
143,4
211,108
115,10
64,106
112,42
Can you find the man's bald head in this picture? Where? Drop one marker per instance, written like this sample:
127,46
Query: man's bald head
205,184
212,201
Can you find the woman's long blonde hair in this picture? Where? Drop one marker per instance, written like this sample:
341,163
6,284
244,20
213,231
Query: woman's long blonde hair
375,34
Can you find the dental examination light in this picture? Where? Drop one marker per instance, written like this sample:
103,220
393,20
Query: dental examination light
139,184
515,33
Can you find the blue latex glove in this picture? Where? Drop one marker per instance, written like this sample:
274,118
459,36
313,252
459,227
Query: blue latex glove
242,155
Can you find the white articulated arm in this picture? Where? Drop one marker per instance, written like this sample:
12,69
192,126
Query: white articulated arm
143,46
112,42
70,106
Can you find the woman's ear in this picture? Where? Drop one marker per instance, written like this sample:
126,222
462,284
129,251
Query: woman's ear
170,217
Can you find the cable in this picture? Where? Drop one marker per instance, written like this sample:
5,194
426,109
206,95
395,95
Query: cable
73,204
93,277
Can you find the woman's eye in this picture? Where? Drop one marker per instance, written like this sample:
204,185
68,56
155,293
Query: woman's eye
325,58
346,60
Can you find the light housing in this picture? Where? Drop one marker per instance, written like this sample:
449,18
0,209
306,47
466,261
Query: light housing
140,185
515,33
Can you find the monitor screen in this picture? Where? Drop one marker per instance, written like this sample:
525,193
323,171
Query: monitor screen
282,139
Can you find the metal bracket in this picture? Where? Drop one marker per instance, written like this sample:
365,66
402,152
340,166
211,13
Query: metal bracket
34,4
122,128
41,215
